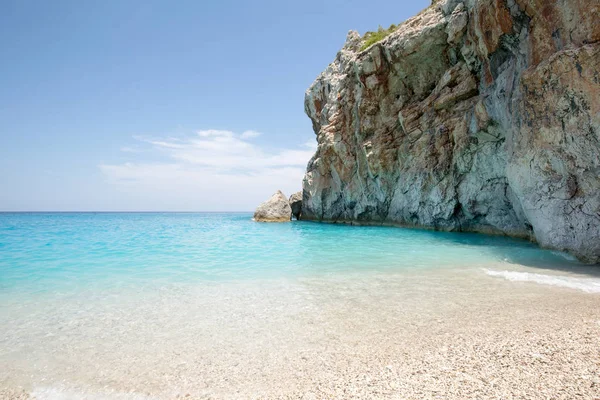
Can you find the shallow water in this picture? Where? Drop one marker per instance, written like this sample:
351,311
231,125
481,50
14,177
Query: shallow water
50,252
157,305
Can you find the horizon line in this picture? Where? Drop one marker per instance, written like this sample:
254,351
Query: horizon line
122,212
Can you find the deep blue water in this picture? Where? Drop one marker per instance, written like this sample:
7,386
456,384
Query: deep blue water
58,251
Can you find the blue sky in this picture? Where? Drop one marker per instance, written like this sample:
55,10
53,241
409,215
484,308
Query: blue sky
156,105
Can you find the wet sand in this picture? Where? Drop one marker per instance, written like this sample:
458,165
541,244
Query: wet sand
444,334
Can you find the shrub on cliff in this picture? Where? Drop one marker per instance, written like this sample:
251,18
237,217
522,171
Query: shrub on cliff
373,37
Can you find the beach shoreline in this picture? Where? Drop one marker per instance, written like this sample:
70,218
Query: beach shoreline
449,334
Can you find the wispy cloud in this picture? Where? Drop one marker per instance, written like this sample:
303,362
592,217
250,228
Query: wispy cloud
204,167
250,134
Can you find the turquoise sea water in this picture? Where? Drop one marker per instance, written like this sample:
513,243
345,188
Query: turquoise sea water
41,252
157,305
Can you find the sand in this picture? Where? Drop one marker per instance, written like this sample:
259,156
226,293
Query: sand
453,334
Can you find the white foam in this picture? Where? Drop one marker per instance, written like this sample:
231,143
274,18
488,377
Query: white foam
588,285
59,393
564,255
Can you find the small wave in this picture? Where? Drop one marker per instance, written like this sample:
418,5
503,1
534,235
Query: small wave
564,255
59,393
588,285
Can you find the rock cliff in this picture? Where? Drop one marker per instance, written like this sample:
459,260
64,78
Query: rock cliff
476,115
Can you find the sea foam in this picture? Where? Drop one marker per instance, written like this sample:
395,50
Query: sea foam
588,285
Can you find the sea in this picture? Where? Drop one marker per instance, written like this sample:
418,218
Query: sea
160,305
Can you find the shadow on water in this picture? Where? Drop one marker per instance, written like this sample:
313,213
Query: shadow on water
523,252
512,250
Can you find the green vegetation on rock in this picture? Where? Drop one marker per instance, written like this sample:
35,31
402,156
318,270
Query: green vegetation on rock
371,38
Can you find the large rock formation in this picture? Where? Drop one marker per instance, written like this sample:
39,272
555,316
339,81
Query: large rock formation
482,115
276,209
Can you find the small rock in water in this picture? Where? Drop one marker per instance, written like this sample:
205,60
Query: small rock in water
276,209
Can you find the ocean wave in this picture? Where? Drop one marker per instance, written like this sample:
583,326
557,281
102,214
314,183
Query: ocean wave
59,393
566,256
588,285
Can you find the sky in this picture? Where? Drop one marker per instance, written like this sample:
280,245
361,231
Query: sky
164,105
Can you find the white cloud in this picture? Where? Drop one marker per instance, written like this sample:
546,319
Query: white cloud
211,170
250,134
215,133
226,151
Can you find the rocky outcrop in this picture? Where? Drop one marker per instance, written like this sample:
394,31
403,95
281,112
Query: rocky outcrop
276,209
482,115
296,205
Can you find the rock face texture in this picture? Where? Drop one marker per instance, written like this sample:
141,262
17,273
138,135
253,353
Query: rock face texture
276,209
296,204
476,115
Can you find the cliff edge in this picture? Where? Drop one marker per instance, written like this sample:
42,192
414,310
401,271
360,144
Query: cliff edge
481,116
